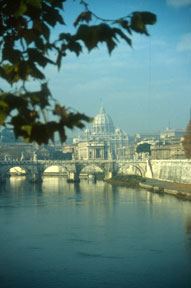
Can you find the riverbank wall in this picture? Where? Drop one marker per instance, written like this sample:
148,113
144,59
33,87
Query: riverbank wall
170,170
161,187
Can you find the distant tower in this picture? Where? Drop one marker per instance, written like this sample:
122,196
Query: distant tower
22,157
34,156
6,158
169,125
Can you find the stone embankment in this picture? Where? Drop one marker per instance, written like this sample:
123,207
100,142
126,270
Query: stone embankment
181,191
130,181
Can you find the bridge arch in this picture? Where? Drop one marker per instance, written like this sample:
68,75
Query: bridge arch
90,169
130,169
18,171
14,169
54,169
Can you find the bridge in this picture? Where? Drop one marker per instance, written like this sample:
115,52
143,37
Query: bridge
73,168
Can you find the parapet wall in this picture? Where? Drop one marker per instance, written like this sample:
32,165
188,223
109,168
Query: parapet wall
171,170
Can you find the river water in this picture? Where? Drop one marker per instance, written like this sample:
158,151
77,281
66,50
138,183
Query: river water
90,235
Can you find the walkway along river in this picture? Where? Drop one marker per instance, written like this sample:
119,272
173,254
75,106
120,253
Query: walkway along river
179,190
90,235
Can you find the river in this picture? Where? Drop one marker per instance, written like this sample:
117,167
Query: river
90,235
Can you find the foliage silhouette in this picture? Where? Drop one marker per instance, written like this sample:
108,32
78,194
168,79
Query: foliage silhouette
25,41
186,143
143,148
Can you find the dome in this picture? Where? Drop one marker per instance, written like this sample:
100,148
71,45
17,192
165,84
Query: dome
103,124
118,131
87,131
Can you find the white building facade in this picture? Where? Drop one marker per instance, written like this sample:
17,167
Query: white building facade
102,140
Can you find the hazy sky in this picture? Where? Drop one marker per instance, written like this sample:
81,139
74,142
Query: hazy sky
145,88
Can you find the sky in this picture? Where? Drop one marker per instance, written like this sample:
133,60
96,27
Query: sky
144,88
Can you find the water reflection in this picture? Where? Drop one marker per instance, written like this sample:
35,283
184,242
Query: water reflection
16,182
92,235
188,239
188,224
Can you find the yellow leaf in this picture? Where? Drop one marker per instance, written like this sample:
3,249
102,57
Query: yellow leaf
3,116
27,128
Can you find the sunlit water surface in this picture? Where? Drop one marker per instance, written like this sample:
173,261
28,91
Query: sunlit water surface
92,235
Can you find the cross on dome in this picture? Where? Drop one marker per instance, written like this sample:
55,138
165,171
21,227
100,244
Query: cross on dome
102,110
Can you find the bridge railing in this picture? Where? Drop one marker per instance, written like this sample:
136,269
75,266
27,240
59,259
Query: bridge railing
57,162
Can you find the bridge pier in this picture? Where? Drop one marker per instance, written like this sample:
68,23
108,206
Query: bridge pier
108,175
149,172
92,178
2,178
73,177
35,175
35,178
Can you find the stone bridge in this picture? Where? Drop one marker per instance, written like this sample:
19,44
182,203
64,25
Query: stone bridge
35,169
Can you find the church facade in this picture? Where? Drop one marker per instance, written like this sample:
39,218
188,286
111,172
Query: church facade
102,140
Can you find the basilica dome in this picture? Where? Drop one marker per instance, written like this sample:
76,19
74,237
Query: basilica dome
103,124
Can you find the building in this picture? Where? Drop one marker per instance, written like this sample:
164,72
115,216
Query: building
89,150
170,145
7,136
147,137
167,151
172,133
164,145
102,140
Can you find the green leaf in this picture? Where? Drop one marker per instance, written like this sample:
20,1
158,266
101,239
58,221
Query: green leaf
3,105
3,111
70,43
62,134
35,3
21,10
57,3
92,35
41,133
3,116
74,46
27,129
29,35
124,24
12,102
24,70
35,72
110,45
84,16
10,73
149,18
42,28
39,98
122,35
139,20
37,56
59,60
12,55
51,15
